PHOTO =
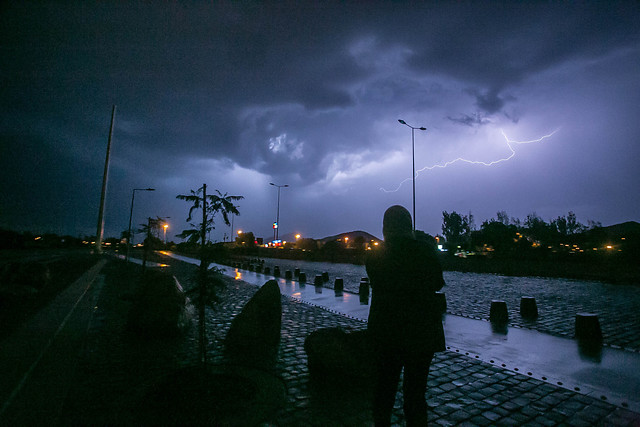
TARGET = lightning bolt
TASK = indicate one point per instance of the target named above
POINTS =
(512, 153)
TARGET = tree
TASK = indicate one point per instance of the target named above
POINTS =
(207, 280)
(573, 225)
(455, 228)
(498, 235)
(537, 228)
(307, 244)
(150, 241)
(246, 239)
(216, 203)
(502, 217)
(568, 225)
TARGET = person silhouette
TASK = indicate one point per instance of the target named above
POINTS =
(405, 324)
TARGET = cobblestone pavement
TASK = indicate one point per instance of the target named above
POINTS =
(558, 300)
(115, 367)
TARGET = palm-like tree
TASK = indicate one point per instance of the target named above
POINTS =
(215, 203)
(210, 206)
(153, 224)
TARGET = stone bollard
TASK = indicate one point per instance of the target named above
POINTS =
(276, 271)
(288, 275)
(364, 299)
(267, 270)
(363, 289)
(498, 312)
(338, 285)
(318, 280)
(325, 276)
(302, 278)
(296, 272)
(588, 328)
(528, 307)
(441, 302)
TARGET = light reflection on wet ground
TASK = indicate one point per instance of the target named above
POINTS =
(558, 300)
(607, 372)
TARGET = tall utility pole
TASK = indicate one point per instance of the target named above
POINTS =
(413, 162)
(276, 225)
(105, 179)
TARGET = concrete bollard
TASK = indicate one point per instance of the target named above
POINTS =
(318, 280)
(338, 284)
(302, 278)
(363, 289)
(588, 328)
(296, 272)
(288, 275)
(267, 270)
(498, 312)
(528, 307)
(259, 268)
(441, 302)
(364, 299)
(276, 271)
(251, 267)
(325, 276)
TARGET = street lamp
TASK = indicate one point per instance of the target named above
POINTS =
(165, 226)
(133, 195)
(276, 224)
(413, 158)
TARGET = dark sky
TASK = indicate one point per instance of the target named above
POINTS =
(241, 94)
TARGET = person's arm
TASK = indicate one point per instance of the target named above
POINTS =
(432, 270)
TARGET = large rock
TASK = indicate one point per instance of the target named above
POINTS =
(159, 306)
(254, 336)
(334, 354)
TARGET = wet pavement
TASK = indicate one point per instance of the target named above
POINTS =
(606, 373)
(114, 367)
(558, 300)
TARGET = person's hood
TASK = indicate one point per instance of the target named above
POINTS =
(396, 224)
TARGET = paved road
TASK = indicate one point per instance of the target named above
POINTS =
(114, 369)
(37, 362)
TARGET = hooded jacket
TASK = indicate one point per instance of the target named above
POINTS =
(404, 275)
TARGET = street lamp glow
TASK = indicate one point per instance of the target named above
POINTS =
(413, 167)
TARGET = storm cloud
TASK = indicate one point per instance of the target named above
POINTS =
(242, 94)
